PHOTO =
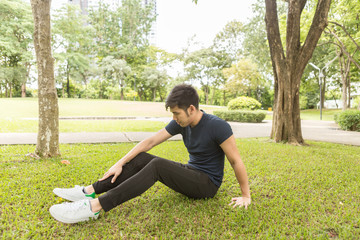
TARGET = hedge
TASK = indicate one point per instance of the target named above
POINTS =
(241, 115)
(349, 120)
(242, 103)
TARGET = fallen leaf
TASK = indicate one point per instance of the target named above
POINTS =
(65, 162)
(32, 155)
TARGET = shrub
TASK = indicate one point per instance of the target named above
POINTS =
(349, 120)
(241, 116)
(244, 103)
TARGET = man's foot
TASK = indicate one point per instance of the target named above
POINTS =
(73, 212)
(73, 194)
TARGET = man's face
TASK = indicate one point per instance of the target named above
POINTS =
(181, 117)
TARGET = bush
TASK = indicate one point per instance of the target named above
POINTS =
(349, 120)
(241, 116)
(244, 103)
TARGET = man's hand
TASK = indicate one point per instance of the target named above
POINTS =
(240, 201)
(113, 171)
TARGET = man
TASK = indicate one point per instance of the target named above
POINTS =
(207, 139)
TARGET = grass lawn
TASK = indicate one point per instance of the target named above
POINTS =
(14, 108)
(309, 192)
(28, 126)
(15, 112)
(314, 114)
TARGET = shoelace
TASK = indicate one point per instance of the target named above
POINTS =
(76, 206)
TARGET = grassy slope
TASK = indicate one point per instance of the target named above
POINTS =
(297, 192)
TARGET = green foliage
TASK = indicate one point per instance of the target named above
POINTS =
(303, 102)
(230, 39)
(357, 102)
(244, 103)
(16, 28)
(241, 116)
(205, 66)
(349, 120)
(292, 187)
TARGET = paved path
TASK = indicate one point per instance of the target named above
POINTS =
(312, 130)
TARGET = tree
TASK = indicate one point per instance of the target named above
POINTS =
(155, 80)
(342, 32)
(244, 79)
(15, 46)
(289, 66)
(73, 39)
(48, 133)
(116, 71)
(205, 66)
(230, 39)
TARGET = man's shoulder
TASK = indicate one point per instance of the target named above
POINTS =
(212, 119)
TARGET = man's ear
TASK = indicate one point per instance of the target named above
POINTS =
(192, 109)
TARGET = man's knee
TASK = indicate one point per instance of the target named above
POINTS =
(156, 162)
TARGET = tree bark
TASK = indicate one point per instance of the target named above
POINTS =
(288, 68)
(48, 133)
(344, 71)
(23, 90)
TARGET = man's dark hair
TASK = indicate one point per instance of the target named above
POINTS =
(182, 96)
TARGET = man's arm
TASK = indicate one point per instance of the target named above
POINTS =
(142, 146)
(233, 155)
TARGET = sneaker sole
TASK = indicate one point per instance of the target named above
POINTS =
(68, 221)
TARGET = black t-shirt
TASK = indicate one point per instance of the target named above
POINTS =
(203, 144)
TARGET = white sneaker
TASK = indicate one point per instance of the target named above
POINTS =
(73, 194)
(73, 212)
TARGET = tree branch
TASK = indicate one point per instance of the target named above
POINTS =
(293, 30)
(352, 39)
(343, 48)
(317, 27)
(273, 32)
(302, 5)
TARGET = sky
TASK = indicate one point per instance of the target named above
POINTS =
(179, 20)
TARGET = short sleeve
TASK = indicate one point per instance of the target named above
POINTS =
(221, 131)
(173, 128)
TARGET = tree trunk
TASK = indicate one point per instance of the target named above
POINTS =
(10, 90)
(288, 68)
(206, 88)
(212, 96)
(68, 80)
(344, 71)
(224, 97)
(23, 90)
(48, 133)
(349, 89)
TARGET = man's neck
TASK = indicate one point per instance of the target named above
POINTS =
(197, 118)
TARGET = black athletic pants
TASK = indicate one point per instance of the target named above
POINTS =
(143, 171)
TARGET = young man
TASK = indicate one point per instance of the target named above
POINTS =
(207, 139)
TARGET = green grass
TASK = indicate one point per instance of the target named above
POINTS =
(17, 113)
(15, 108)
(314, 114)
(25, 126)
(309, 192)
